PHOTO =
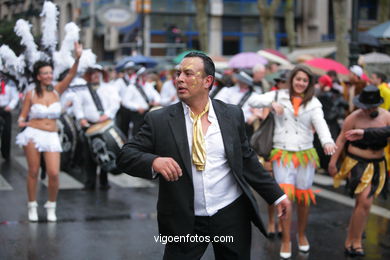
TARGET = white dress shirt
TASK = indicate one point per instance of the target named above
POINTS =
(132, 99)
(215, 187)
(168, 93)
(85, 108)
(233, 95)
(11, 96)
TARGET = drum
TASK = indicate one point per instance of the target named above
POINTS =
(68, 136)
(105, 141)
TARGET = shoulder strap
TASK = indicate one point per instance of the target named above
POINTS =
(245, 98)
(96, 99)
(56, 92)
(142, 92)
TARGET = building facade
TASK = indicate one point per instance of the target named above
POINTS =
(234, 25)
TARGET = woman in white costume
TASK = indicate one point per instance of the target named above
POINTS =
(293, 156)
(41, 108)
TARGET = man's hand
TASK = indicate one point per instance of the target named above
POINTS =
(284, 208)
(168, 168)
(103, 118)
(84, 123)
(354, 134)
(7, 108)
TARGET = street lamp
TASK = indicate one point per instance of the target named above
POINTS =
(353, 45)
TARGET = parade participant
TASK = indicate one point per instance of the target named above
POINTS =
(41, 107)
(334, 107)
(355, 86)
(9, 98)
(137, 99)
(260, 84)
(95, 103)
(294, 158)
(206, 193)
(379, 79)
(364, 164)
(168, 90)
(239, 95)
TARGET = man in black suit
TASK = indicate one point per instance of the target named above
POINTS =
(199, 150)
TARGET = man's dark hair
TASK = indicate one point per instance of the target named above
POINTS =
(208, 64)
(381, 75)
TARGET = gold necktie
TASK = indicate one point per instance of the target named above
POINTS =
(198, 144)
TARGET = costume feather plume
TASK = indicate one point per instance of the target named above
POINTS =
(63, 58)
(13, 64)
(22, 29)
(87, 59)
(49, 27)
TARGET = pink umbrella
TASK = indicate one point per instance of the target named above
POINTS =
(323, 64)
(246, 60)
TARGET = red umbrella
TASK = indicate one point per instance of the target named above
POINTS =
(322, 65)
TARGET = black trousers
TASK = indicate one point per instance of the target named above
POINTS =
(6, 133)
(137, 120)
(90, 168)
(231, 222)
(123, 120)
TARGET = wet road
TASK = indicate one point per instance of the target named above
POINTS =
(121, 223)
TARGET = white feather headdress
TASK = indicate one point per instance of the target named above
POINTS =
(22, 29)
(49, 27)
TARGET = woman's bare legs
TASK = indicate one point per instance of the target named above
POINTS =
(33, 162)
(358, 219)
(303, 215)
(52, 160)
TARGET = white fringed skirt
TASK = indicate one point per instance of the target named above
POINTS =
(44, 141)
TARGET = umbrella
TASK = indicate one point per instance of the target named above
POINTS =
(322, 65)
(246, 60)
(220, 62)
(181, 56)
(374, 57)
(273, 56)
(138, 59)
(381, 30)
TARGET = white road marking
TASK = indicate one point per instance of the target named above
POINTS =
(330, 195)
(66, 181)
(4, 185)
(325, 180)
(126, 181)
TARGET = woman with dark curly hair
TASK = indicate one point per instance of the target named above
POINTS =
(41, 106)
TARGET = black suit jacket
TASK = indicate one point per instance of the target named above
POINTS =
(164, 134)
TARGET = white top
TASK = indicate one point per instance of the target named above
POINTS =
(133, 100)
(215, 187)
(52, 111)
(233, 95)
(11, 96)
(85, 108)
(168, 93)
(295, 133)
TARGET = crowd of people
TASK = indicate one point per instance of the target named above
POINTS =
(314, 116)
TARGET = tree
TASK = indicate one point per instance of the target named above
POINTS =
(341, 30)
(384, 11)
(202, 24)
(267, 21)
(289, 24)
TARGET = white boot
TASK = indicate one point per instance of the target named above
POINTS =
(32, 211)
(51, 211)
